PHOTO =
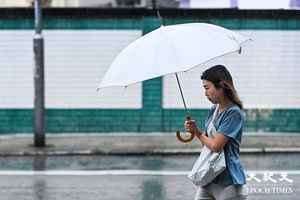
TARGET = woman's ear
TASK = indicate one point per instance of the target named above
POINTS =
(224, 85)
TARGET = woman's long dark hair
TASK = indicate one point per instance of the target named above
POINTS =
(221, 78)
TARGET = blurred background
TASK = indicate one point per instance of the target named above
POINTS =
(240, 4)
(82, 37)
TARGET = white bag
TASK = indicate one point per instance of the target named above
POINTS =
(209, 164)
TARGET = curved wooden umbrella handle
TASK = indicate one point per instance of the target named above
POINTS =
(181, 139)
(185, 140)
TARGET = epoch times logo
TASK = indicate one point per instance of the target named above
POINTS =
(272, 182)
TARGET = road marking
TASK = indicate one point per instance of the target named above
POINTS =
(122, 172)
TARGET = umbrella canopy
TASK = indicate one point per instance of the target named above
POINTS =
(170, 49)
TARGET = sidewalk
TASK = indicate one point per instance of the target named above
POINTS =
(137, 143)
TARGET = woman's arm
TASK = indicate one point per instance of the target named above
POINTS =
(215, 144)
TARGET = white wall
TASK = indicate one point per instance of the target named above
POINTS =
(15, 3)
(263, 4)
(210, 4)
(266, 75)
(75, 62)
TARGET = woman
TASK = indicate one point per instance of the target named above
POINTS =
(229, 122)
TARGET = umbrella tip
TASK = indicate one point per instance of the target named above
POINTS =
(240, 50)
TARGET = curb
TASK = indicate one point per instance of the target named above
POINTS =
(152, 152)
(136, 144)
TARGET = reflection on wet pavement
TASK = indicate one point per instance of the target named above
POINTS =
(251, 161)
(144, 186)
(126, 187)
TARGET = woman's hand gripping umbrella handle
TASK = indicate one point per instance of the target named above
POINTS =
(185, 140)
(178, 135)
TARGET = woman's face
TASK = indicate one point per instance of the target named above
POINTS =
(212, 93)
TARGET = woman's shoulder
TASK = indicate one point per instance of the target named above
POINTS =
(235, 110)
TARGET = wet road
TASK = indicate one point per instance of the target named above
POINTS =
(136, 177)
(251, 161)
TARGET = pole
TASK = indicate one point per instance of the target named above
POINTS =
(159, 18)
(39, 103)
(154, 6)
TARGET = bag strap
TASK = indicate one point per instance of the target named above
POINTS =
(215, 113)
(211, 123)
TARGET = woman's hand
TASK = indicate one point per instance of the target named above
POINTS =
(191, 126)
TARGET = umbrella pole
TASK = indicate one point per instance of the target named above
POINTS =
(188, 117)
(183, 100)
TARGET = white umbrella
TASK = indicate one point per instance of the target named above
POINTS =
(171, 49)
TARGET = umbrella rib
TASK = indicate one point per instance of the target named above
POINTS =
(188, 113)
